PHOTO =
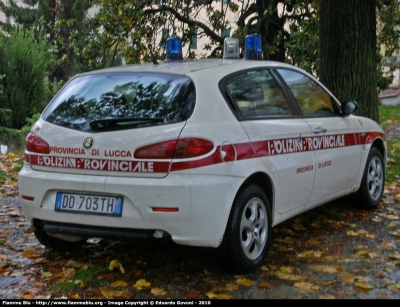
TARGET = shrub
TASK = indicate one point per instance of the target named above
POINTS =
(25, 61)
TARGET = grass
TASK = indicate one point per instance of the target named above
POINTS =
(389, 116)
(84, 277)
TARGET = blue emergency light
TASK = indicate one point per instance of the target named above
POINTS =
(174, 49)
(253, 47)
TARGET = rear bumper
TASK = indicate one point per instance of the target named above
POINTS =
(83, 231)
(203, 202)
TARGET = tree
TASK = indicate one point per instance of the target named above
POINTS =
(348, 51)
(134, 29)
(55, 19)
(388, 16)
(24, 61)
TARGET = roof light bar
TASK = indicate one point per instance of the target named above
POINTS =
(231, 48)
(174, 49)
(253, 47)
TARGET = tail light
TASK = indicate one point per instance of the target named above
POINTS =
(36, 145)
(178, 149)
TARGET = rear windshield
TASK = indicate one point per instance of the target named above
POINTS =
(109, 102)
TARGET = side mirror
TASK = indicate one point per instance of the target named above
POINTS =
(349, 107)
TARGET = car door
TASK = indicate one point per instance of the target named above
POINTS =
(334, 137)
(276, 135)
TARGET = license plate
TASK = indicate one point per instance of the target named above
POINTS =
(91, 204)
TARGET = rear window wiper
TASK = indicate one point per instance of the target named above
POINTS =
(101, 124)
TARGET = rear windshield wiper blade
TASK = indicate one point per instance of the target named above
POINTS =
(138, 120)
(101, 124)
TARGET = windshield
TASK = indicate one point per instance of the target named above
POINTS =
(116, 101)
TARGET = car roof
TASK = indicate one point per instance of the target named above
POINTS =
(187, 67)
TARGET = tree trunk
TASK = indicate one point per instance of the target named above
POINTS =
(269, 28)
(348, 59)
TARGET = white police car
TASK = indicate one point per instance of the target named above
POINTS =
(210, 153)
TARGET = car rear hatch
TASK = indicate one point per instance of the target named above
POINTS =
(120, 124)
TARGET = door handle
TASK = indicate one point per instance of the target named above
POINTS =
(319, 130)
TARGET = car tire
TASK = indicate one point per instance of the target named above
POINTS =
(248, 232)
(56, 243)
(373, 181)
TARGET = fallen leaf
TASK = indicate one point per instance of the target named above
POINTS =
(325, 268)
(289, 276)
(119, 283)
(305, 287)
(364, 286)
(286, 269)
(327, 297)
(30, 254)
(394, 287)
(310, 254)
(158, 291)
(389, 245)
(245, 282)
(47, 274)
(115, 264)
(26, 296)
(69, 272)
(395, 256)
(231, 287)
(75, 264)
(74, 296)
(265, 285)
(396, 233)
(141, 283)
(219, 296)
(327, 283)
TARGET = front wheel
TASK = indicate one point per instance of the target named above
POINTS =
(373, 180)
(247, 235)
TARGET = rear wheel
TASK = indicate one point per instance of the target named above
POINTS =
(373, 181)
(57, 243)
(247, 235)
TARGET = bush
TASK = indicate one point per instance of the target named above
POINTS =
(25, 62)
(30, 121)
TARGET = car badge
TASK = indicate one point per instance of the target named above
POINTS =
(88, 142)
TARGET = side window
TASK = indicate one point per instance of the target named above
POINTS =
(313, 100)
(258, 95)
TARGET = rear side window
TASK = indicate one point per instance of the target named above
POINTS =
(108, 102)
(257, 94)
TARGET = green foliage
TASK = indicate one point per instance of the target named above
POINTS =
(42, 18)
(1, 86)
(84, 277)
(30, 122)
(133, 29)
(388, 15)
(5, 114)
(302, 41)
(389, 116)
(11, 136)
(25, 61)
